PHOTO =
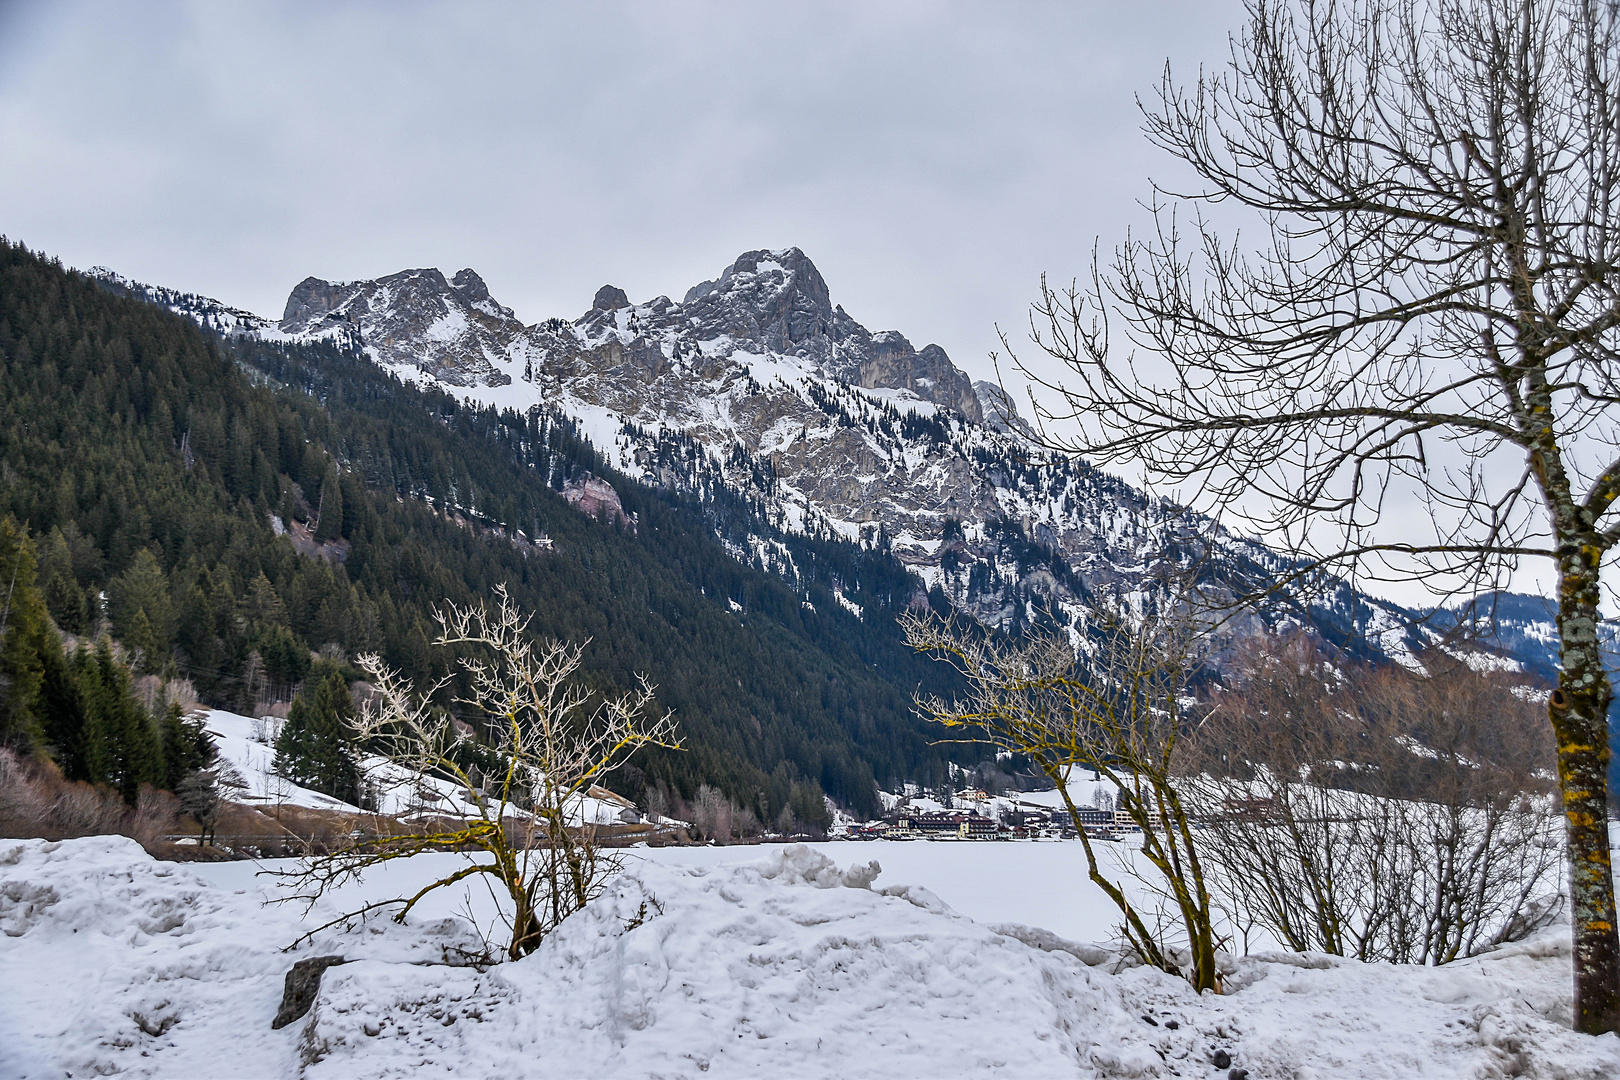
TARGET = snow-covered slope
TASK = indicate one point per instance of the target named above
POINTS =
(788, 966)
(211, 313)
(248, 745)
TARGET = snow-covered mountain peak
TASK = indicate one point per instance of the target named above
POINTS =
(778, 302)
(451, 330)
(762, 278)
(475, 292)
(777, 299)
(999, 409)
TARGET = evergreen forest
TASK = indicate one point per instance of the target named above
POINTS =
(251, 516)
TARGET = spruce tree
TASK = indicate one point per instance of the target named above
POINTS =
(68, 734)
(329, 525)
(187, 746)
(133, 751)
(141, 640)
(315, 748)
(58, 586)
(261, 608)
(24, 631)
(142, 609)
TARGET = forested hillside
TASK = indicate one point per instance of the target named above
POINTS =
(227, 508)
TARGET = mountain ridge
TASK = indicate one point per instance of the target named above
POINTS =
(758, 383)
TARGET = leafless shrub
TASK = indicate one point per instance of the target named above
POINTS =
(180, 692)
(1117, 710)
(657, 799)
(715, 816)
(77, 809)
(1379, 814)
(712, 814)
(555, 739)
(22, 800)
(156, 694)
(37, 801)
(155, 815)
(148, 690)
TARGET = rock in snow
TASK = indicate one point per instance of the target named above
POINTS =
(790, 966)
(302, 985)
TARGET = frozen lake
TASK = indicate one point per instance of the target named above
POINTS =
(1037, 883)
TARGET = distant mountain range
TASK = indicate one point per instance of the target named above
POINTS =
(756, 384)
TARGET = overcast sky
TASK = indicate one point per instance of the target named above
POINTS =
(932, 159)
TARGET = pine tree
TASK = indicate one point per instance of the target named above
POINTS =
(142, 609)
(24, 631)
(315, 748)
(329, 523)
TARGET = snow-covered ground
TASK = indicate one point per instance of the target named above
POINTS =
(1038, 883)
(747, 963)
(249, 746)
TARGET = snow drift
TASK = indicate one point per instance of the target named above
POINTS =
(115, 963)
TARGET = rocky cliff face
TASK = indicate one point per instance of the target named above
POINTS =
(449, 330)
(779, 301)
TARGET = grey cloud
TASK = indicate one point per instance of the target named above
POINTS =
(933, 159)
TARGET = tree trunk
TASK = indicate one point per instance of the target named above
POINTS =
(1579, 710)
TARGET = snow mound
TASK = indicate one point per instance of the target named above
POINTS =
(122, 957)
(799, 865)
(113, 962)
(788, 966)
(146, 899)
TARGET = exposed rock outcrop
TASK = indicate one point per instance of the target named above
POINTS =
(596, 497)
(454, 332)
(303, 984)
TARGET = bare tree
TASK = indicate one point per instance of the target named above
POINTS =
(1433, 305)
(1374, 813)
(712, 814)
(1117, 710)
(552, 738)
(202, 792)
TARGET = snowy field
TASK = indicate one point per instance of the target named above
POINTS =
(247, 745)
(750, 962)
